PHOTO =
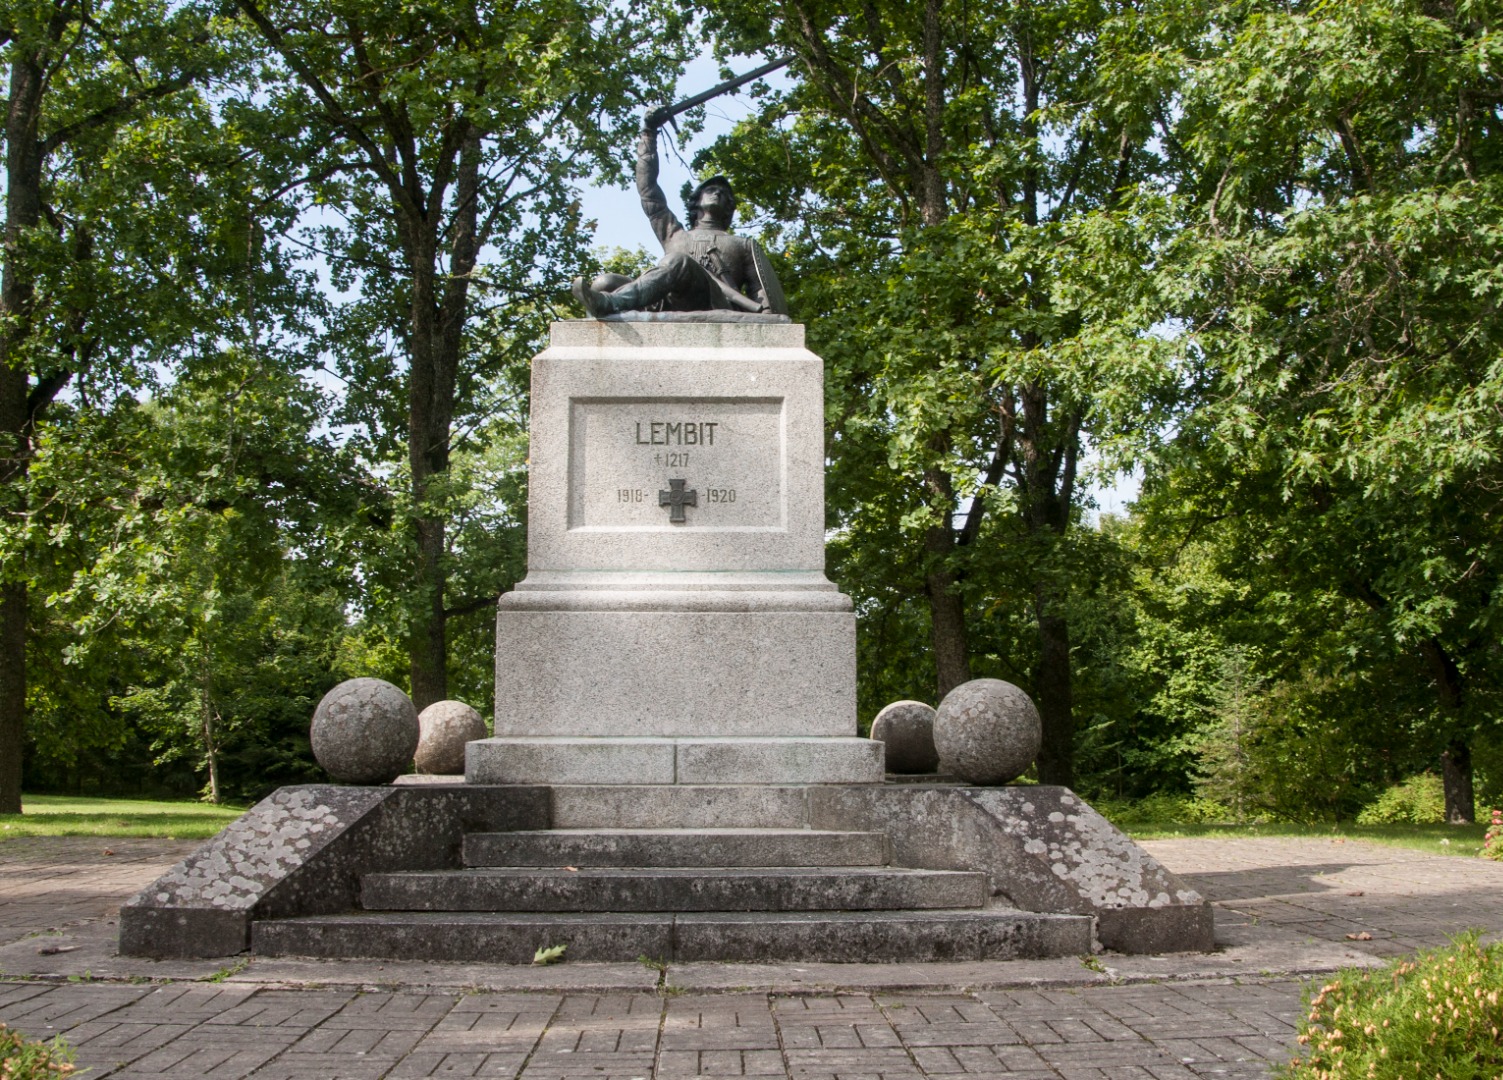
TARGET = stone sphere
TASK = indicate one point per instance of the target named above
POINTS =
(907, 727)
(987, 732)
(365, 732)
(444, 727)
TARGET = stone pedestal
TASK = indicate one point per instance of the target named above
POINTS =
(676, 625)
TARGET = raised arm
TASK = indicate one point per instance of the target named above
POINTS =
(654, 202)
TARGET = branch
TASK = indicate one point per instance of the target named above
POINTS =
(1077, 166)
(64, 135)
(43, 393)
(469, 606)
(358, 134)
(972, 527)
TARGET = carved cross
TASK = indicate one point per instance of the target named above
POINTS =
(676, 498)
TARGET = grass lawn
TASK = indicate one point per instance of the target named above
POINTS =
(1434, 839)
(64, 815)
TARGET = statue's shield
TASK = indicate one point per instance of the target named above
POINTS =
(772, 289)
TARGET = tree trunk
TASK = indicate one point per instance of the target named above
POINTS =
(23, 211)
(12, 692)
(952, 665)
(428, 640)
(1456, 775)
(211, 751)
(1456, 759)
(1052, 683)
(437, 343)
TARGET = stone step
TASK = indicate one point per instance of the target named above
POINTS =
(680, 806)
(624, 889)
(675, 847)
(809, 937)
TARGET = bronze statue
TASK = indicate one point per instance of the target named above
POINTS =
(703, 268)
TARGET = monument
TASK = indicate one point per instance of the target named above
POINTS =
(675, 770)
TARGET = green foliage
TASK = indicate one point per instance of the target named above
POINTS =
(192, 604)
(1420, 799)
(547, 954)
(1164, 808)
(438, 146)
(1339, 281)
(24, 1059)
(1436, 1015)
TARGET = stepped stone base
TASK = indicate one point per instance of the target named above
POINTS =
(819, 937)
(746, 872)
(779, 760)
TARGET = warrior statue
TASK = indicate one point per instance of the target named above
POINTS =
(704, 267)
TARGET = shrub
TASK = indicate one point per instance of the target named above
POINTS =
(1164, 808)
(1420, 800)
(1492, 842)
(23, 1060)
(1438, 1015)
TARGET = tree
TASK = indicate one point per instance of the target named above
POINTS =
(959, 191)
(192, 539)
(114, 235)
(1341, 279)
(440, 139)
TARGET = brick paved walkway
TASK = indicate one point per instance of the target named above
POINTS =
(1283, 907)
(1163, 1032)
(48, 883)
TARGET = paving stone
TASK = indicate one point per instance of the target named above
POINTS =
(1228, 1026)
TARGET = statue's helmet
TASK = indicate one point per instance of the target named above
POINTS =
(692, 203)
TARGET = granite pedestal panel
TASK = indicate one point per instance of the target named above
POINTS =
(675, 625)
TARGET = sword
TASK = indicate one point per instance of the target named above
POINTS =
(660, 116)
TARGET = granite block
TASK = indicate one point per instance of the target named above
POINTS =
(626, 889)
(674, 673)
(876, 936)
(569, 761)
(785, 760)
(672, 330)
(623, 806)
(620, 410)
(675, 847)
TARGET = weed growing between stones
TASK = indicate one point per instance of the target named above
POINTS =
(1492, 843)
(229, 970)
(24, 1060)
(1439, 1015)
